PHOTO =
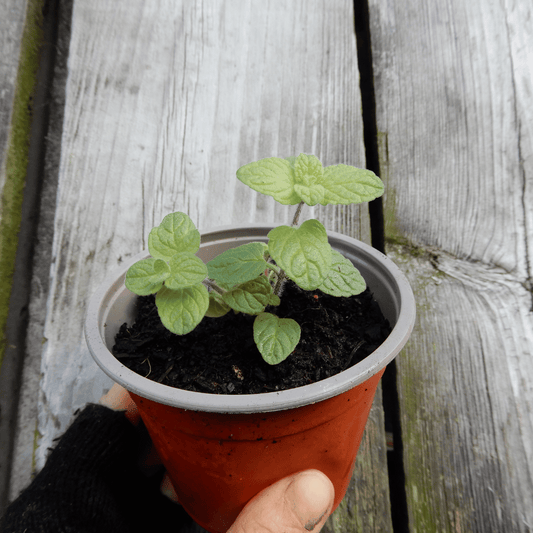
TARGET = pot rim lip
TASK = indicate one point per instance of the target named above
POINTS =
(253, 403)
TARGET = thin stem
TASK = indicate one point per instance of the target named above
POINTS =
(297, 214)
(280, 283)
(212, 284)
(273, 267)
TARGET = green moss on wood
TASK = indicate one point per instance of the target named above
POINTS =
(389, 198)
(16, 159)
(36, 440)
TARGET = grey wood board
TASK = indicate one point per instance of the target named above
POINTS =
(454, 86)
(164, 101)
(25, 435)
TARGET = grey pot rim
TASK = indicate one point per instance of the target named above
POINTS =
(251, 403)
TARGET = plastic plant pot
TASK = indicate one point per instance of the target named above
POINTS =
(221, 450)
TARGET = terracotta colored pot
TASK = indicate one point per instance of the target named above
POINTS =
(221, 450)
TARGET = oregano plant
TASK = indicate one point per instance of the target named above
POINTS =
(249, 279)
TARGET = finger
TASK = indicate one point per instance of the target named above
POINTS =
(167, 489)
(297, 504)
(119, 399)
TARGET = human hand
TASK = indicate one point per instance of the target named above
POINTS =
(296, 504)
(119, 399)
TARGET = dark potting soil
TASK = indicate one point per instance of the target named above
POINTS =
(220, 355)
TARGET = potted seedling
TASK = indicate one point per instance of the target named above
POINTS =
(222, 449)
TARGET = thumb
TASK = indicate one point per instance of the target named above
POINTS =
(295, 504)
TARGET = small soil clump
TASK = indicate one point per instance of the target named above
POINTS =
(220, 356)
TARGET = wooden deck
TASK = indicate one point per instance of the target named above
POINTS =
(150, 107)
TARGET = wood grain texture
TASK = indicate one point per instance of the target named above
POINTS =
(165, 100)
(454, 85)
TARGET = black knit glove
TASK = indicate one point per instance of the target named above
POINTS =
(92, 483)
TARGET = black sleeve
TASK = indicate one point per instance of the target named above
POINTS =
(92, 483)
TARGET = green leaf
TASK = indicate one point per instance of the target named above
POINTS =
(176, 233)
(217, 307)
(186, 270)
(251, 297)
(344, 279)
(303, 253)
(308, 175)
(182, 310)
(146, 276)
(274, 300)
(310, 195)
(275, 337)
(238, 265)
(272, 176)
(344, 185)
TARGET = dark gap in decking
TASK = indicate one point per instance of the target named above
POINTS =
(391, 404)
(18, 318)
(368, 97)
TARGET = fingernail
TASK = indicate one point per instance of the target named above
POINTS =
(312, 494)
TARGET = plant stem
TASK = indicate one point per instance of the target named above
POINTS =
(273, 267)
(211, 284)
(280, 283)
(297, 214)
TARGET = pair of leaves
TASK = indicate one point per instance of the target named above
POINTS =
(174, 272)
(307, 258)
(304, 254)
(240, 271)
(148, 275)
(251, 298)
(304, 179)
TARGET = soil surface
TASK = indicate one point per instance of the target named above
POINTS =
(220, 355)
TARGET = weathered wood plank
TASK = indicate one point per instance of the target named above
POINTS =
(20, 43)
(454, 89)
(165, 100)
(12, 16)
(56, 38)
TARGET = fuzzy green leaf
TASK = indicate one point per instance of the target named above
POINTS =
(303, 253)
(147, 276)
(344, 185)
(182, 310)
(308, 176)
(176, 233)
(251, 297)
(238, 265)
(186, 270)
(217, 307)
(310, 195)
(344, 279)
(275, 337)
(272, 176)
